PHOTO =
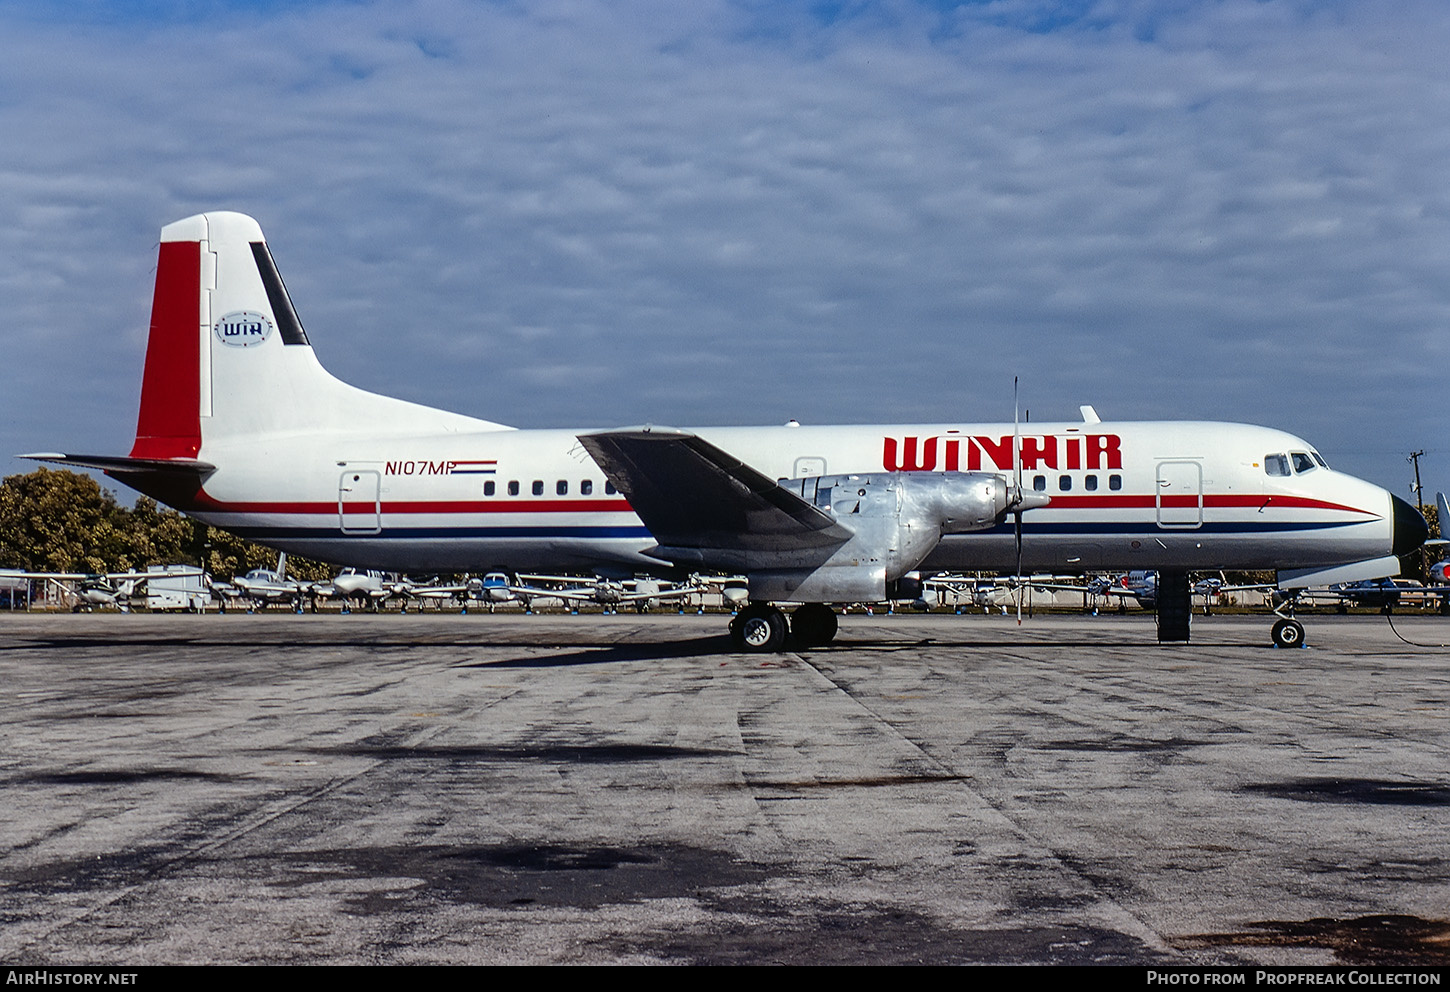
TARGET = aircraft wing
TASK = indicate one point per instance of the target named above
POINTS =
(594, 594)
(578, 595)
(133, 576)
(705, 506)
(678, 592)
(431, 589)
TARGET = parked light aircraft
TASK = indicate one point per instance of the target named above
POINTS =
(241, 427)
(264, 586)
(365, 585)
(641, 594)
(88, 590)
(1382, 594)
(14, 586)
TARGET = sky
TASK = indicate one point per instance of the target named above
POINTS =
(568, 213)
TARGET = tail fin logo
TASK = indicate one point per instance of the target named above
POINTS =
(242, 329)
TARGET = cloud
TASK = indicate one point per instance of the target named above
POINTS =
(555, 213)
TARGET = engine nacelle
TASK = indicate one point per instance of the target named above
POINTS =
(896, 519)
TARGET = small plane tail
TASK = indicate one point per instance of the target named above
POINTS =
(227, 358)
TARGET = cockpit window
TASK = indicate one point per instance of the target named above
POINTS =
(1316, 456)
(1276, 464)
(1302, 462)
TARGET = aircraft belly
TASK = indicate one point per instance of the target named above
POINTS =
(1218, 544)
(1062, 540)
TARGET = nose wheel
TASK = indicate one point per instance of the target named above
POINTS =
(1288, 633)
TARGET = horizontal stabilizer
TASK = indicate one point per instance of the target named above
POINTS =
(117, 463)
(692, 495)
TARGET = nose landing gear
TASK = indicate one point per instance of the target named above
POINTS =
(1287, 632)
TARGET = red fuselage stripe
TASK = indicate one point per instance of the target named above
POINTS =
(1117, 502)
(206, 502)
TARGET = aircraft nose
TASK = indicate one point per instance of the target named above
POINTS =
(1411, 531)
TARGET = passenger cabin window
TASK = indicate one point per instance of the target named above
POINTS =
(1039, 483)
(1064, 483)
(609, 489)
(513, 487)
(586, 487)
(1276, 464)
(1302, 462)
(1090, 483)
(538, 487)
(562, 487)
(1115, 482)
(488, 488)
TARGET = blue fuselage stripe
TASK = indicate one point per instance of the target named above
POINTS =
(427, 533)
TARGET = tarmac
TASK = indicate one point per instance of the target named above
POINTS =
(444, 789)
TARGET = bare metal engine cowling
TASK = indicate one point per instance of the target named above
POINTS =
(896, 519)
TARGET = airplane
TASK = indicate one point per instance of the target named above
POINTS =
(999, 590)
(1143, 587)
(985, 593)
(89, 590)
(433, 591)
(644, 594)
(264, 586)
(1383, 594)
(990, 593)
(361, 584)
(364, 586)
(14, 587)
(241, 427)
(1139, 585)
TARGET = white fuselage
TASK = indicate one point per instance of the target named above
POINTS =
(1161, 495)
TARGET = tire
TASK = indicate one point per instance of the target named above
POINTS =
(813, 625)
(759, 627)
(1288, 634)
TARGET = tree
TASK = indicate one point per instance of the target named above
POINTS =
(60, 521)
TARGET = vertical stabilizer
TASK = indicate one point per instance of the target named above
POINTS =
(228, 360)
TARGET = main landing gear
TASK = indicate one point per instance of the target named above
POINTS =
(762, 627)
